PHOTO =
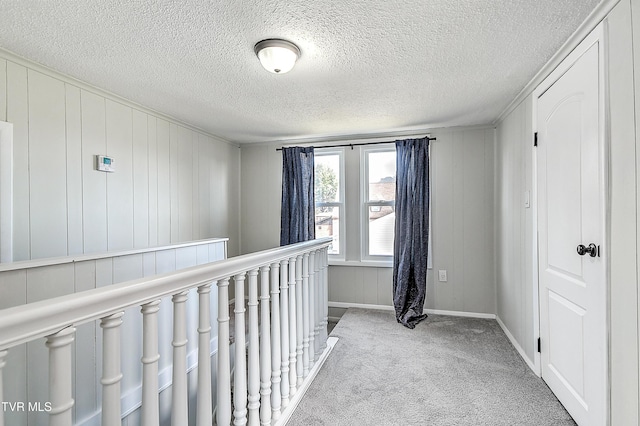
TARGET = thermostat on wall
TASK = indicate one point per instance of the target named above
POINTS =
(105, 164)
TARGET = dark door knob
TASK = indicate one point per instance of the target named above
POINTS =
(592, 249)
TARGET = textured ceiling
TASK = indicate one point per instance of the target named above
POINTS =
(367, 67)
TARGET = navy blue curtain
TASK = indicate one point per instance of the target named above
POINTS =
(297, 214)
(410, 249)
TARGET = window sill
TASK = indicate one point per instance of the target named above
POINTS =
(362, 263)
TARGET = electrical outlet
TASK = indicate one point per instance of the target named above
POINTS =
(442, 275)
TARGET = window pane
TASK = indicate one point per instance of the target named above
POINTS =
(382, 175)
(327, 178)
(381, 230)
(328, 225)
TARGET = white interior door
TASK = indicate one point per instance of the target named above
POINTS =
(571, 206)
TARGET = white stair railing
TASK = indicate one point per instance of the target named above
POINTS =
(287, 329)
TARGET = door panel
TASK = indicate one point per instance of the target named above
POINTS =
(571, 204)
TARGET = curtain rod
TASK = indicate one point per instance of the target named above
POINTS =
(357, 144)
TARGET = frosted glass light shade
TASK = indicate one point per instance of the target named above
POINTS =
(277, 56)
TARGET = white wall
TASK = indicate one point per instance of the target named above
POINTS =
(514, 226)
(172, 183)
(462, 228)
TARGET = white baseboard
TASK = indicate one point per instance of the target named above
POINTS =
(461, 314)
(516, 345)
(346, 305)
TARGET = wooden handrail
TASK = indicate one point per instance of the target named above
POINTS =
(25, 323)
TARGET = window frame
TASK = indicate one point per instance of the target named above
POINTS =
(366, 204)
(340, 204)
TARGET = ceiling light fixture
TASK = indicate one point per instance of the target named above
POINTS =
(277, 56)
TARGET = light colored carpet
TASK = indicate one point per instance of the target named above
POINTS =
(447, 371)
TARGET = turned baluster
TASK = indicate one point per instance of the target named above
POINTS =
(111, 374)
(276, 395)
(223, 385)
(265, 348)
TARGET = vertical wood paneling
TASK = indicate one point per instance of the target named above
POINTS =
(231, 202)
(369, 285)
(186, 257)
(94, 189)
(165, 262)
(218, 179)
(119, 184)
(489, 235)
(173, 183)
(37, 384)
(185, 184)
(622, 51)
(385, 286)
(442, 228)
(202, 255)
(127, 268)
(473, 217)
(18, 114)
(74, 170)
(140, 180)
(47, 171)
(104, 272)
(217, 251)
(149, 264)
(529, 342)
(85, 349)
(43, 283)
(164, 183)
(15, 372)
(51, 281)
(13, 287)
(195, 187)
(153, 180)
(456, 276)
(3, 90)
(204, 198)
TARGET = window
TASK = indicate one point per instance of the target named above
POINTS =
(329, 197)
(379, 196)
(355, 203)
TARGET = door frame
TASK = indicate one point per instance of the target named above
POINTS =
(598, 35)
